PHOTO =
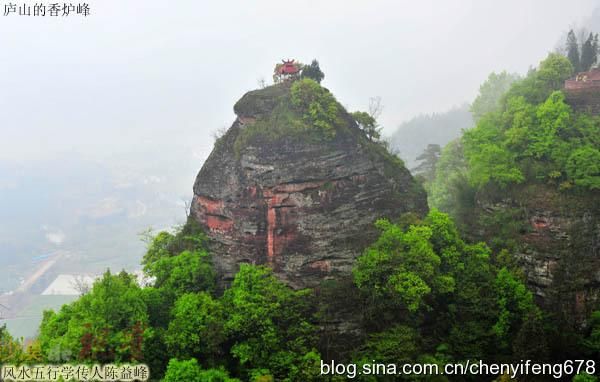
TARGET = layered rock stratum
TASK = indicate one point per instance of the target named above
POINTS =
(558, 245)
(302, 204)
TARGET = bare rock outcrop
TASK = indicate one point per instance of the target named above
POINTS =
(304, 206)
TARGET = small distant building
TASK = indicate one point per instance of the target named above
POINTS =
(584, 80)
(288, 69)
(583, 91)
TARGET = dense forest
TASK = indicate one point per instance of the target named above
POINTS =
(431, 289)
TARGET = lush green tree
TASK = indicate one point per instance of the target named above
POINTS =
(317, 105)
(105, 325)
(196, 329)
(573, 51)
(159, 306)
(11, 350)
(182, 371)
(33, 355)
(189, 271)
(156, 354)
(466, 315)
(583, 166)
(589, 53)
(531, 138)
(307, 368)
(188, 237)
(418, 267)
(421, 266)
(428, 160)
(531, 340)
(585, 377)
(541, 82)
(553, 116)
(519, 117)
(450, 190)
(400, 269)
(516, 305)
(491, 92)
(596, 47)
(179, 262)
(190, 371)
(268, 324)
(398, 344)
(313, 71)
(367, 124)
(491, 163)
(551, 74)
(159, 247)
(592, 341)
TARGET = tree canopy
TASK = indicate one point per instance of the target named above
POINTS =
(534, 137)
(313, 71)
(491, 93)
(583, 55)
(573, 51)
(367, 124)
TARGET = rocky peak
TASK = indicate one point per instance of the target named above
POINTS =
(278, 189)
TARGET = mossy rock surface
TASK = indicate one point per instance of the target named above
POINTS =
(260, 102)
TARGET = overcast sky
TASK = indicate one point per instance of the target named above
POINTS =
(136, 75)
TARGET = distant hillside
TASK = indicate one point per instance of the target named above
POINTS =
(413, 136)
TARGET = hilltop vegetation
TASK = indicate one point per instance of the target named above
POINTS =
(532, 136)
(302, 109)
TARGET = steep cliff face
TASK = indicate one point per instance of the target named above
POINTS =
(558, 245)
(302, 204)
(586, 100)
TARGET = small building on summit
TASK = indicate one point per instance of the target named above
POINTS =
(288, 67)
(583, 92)
(584, 80)
(286, 70)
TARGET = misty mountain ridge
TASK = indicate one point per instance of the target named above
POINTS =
(413, 136)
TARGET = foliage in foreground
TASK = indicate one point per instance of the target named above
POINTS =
(427, 290)
(424, 295)
(258, 327)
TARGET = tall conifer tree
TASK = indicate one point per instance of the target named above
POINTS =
(588, 53)
(573, 51)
